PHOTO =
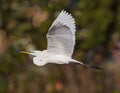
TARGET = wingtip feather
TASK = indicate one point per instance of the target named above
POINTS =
(66, 19)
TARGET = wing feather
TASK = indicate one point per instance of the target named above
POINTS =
(61, 35)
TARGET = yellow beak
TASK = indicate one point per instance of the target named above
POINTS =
(25, 52)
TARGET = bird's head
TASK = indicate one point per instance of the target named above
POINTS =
(37, 60)
(32, 52)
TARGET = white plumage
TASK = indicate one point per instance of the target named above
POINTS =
(65, 19)
(61, 41)
(61, 35)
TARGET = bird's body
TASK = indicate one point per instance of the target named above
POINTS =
(51, 58)
(45, 57)
(61, 41)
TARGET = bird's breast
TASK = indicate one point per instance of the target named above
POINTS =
(59, 59)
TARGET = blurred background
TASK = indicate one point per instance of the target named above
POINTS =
(23, 26)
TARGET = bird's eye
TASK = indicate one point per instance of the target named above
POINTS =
(32, 52)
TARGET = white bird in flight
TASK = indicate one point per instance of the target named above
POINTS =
(61, 41)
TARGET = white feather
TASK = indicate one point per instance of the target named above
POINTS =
(65, 19)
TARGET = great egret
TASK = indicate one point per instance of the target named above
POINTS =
(61, 41)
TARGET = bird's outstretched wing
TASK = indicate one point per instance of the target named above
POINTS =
(61, 35)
